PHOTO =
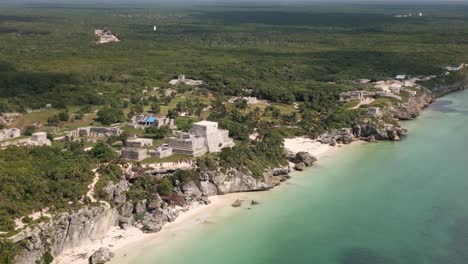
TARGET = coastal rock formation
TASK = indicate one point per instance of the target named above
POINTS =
(305, 158)
(230, 182)
(332, 137)
(281, 171)
(65, 232)
(117, 192)
(191, 190)
(378, 131)
(302, 160)
(411, 109)
(237, 203)
(299, 166)
(101, 256)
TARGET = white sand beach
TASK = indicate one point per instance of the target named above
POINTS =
(122, 242)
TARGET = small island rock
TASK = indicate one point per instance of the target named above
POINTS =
(237, 203)
(101, 256)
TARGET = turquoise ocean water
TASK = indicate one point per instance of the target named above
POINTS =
(383, 203)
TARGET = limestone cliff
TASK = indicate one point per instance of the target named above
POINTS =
(64, 232)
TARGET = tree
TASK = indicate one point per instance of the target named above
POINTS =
(50, 136)
(241, 103)
(156, 108)
(165, 187)
(79, 116)
(64, 116)
(29, 130)
(158, 133)
(276, 113)
(102, 152)
(8, 251)
(172, 113)
(53, 121)
(108, 116)
(137, 108)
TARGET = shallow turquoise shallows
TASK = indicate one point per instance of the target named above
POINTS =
(382, 203)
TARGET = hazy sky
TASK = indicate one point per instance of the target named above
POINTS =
(232, 1)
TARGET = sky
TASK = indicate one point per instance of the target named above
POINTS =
(230, 2)
(233, 1)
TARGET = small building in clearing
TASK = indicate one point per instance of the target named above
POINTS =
(161, 152)
(39, 139)
(137, 154)
(139, 142)
(375, 111)
(182, 80)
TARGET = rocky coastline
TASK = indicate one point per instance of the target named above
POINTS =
(68, 230)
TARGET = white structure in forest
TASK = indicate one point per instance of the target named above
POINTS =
(99, 131)
(139, 142)
(182, 80)
(39, 139)
(105, 36)
(205, 136)
(375, 111)
(137, 154)
(161, 152)
(9, 133)
(249, 99)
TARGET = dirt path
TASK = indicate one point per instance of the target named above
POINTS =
(363, 102)
(90, 193)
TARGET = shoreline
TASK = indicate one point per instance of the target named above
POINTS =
(123, 241)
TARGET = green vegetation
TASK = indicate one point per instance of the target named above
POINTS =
(251, 157)
(157, 133)
(8, 251)
(298, 58)
(165, 187)
(40, 177)
(109, 116)
(102, 152)
(278, 52)
(108, 173)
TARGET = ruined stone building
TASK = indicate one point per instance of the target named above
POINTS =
(353, 96)
(137, 154)
(142, 121)
(205, 136)
(139, 142)
(182, 80)
(9, 133)
(162, 151)
(39, 139)
(99, 131)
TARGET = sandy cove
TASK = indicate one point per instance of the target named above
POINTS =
(121, 242)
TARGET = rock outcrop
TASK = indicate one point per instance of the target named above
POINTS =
(65, 232)
(344, 136)
(410, 109)
(304, 157)
(230, 182)
(101, 256)
(378, 131)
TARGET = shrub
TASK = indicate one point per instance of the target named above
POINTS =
(29, 130)
(165, 187)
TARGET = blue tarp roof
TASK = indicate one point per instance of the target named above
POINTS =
(151, 119)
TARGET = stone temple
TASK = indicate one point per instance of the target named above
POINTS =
(205, 136)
